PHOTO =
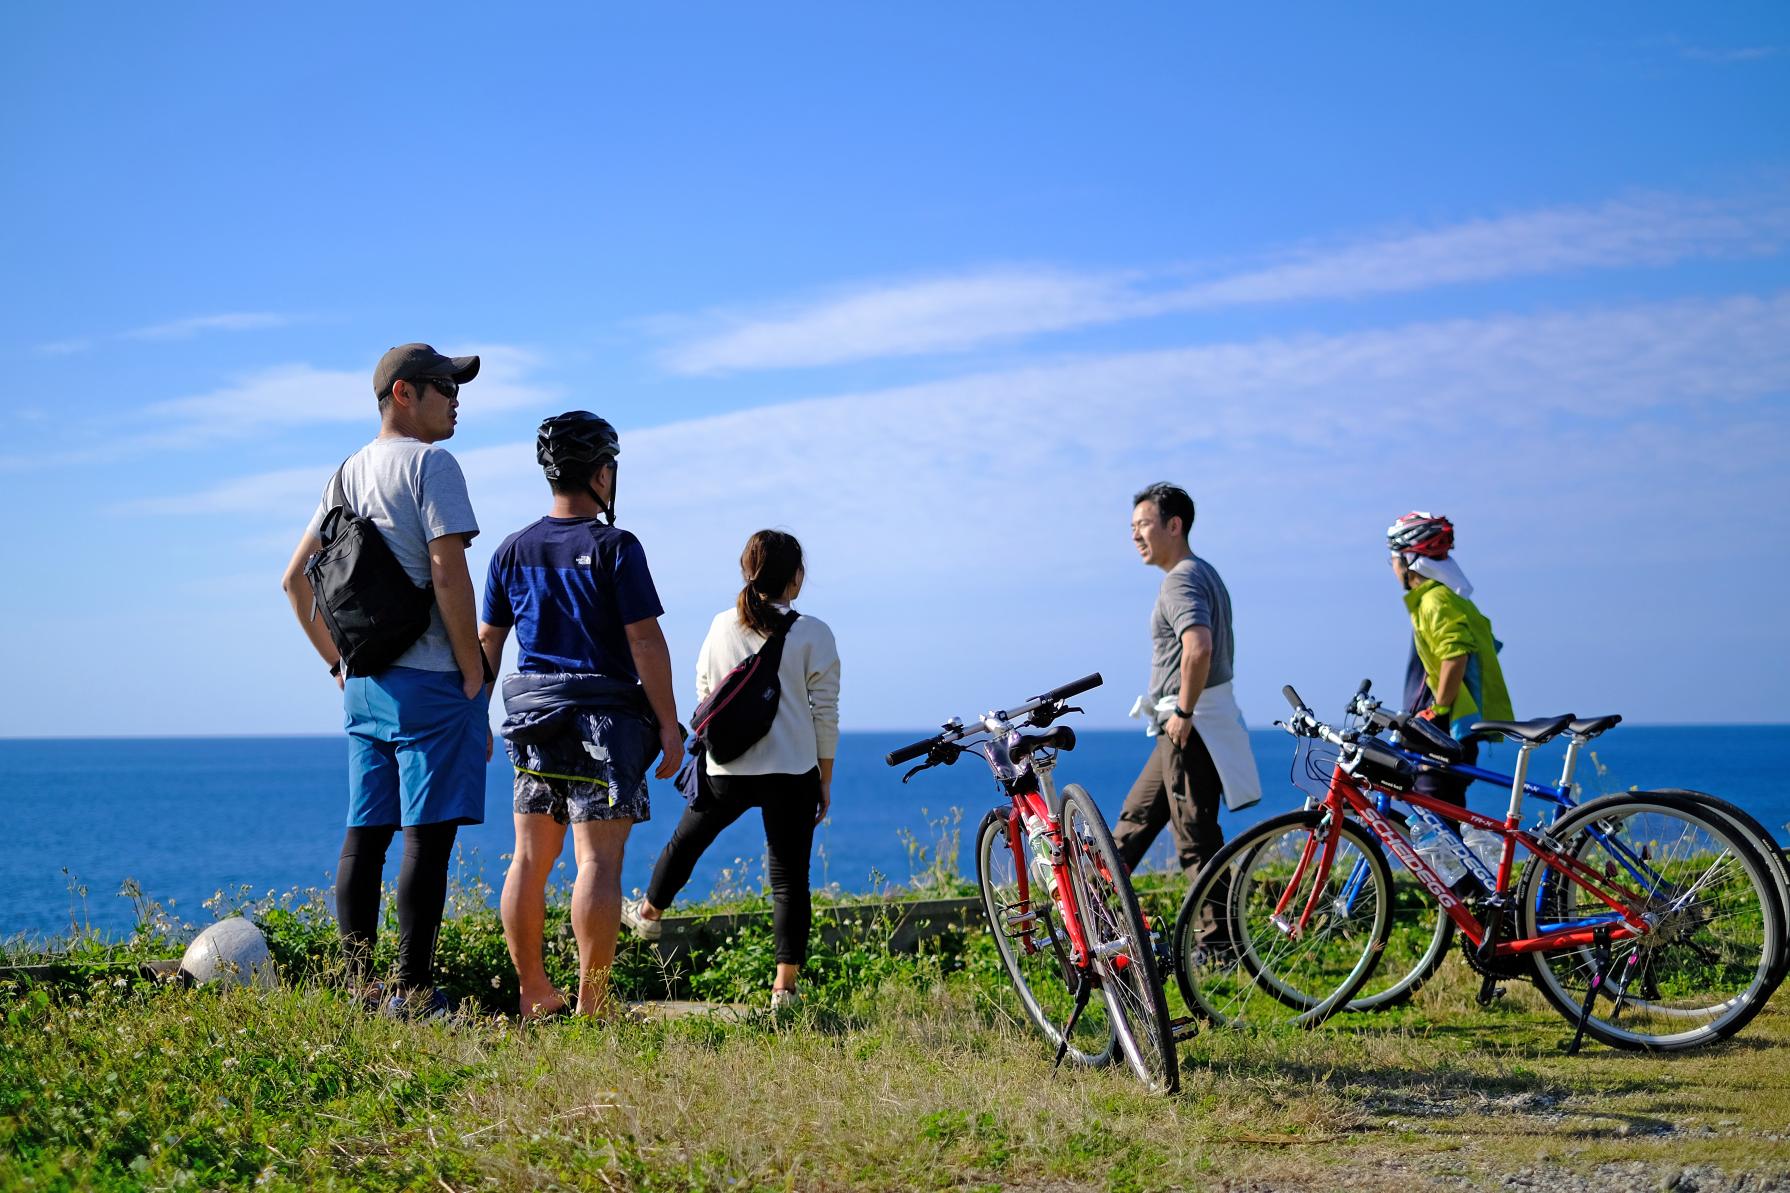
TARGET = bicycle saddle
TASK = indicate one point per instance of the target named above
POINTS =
(1535, 732)
(1589, 727)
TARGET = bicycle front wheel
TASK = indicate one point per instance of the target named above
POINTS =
(1711, 954)
(1033, 947)
(1270, 934)
(1122, 953)
(1416, 945)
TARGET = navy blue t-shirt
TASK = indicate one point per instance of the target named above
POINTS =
(569, 586)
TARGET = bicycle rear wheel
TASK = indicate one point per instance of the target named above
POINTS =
(1123, 954)
(1714, 950)
(1242, 956)
(1757, 835)
(1034, 949)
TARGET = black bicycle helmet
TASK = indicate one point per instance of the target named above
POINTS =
(575, 437)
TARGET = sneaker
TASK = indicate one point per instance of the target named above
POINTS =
(785, 999)
(416, 1004)
(634, 919)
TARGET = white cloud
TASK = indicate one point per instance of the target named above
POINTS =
(182, 329)
(967, 537)
(955, 313)
(68, 347)
(289, 396)
(1727, 56)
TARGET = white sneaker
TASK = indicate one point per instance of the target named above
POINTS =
(785, 999)
(634, 919)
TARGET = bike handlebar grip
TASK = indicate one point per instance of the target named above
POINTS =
(1292, 698)
(1365, 685)
(1075, 688)
(909, 751)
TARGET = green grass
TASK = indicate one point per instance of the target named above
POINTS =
(901, 1072)
(917, 1080)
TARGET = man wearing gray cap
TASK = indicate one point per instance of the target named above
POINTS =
(417, 729)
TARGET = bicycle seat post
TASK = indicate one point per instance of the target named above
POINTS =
(1574, 743)
(1516, 784)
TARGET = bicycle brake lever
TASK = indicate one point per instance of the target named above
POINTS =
(910, 774)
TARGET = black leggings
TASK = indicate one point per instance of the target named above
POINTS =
(422, 893)
(788, 803)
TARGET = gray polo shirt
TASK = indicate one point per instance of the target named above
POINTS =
(415, 493)
(1191, 595)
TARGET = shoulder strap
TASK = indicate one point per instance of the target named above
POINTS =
(335, 493)
(789, 622)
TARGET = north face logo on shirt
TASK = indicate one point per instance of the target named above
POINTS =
(582, 561)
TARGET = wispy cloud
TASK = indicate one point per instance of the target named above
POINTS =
(182, 329)
(940, 515)
(951, 314)
(64, 347)
(292, 396)
(1728, 55)
(174, 329)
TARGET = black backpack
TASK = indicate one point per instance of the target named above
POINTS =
(373, 610)
(741, 708)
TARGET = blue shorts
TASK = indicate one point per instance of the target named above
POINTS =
(416, 749)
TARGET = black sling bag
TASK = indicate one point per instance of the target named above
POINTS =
(371, 607)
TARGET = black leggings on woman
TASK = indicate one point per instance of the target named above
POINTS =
(788, 803)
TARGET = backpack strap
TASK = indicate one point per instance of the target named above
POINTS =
(335, 498)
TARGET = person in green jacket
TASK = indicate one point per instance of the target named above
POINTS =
(1453, 646)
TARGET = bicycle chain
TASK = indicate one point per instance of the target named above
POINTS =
(1504, 969)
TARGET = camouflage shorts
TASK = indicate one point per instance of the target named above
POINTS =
(571, 802)
(596, 771)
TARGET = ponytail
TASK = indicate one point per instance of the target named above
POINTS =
(769, 565)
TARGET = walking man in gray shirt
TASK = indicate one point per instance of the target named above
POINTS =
(1191, 651)
(417, 731)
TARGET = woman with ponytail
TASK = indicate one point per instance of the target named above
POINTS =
(787, 774)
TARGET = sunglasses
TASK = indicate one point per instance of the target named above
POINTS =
(448, 387)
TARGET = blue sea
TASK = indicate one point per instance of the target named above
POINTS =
(186, 818)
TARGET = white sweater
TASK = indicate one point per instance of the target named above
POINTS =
(806, 728)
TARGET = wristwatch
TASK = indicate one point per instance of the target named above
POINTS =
(1183, 713)
(335, 668)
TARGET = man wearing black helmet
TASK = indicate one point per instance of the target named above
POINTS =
(589, 707)
(417, 731)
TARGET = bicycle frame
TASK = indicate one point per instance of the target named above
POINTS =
(1032, 787)
(1345, 795)
(1560, 794)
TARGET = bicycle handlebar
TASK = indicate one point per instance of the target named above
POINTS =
(910, 751)
(957, 732)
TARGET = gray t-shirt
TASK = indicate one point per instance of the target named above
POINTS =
(1191, 595)
(415, 493)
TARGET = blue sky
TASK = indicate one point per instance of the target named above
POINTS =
(936, 287)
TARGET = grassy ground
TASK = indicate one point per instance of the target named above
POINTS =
(918, 1078)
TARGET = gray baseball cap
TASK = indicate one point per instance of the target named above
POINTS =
(407, 362)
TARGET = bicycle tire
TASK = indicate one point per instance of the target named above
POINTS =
(1760, 837)
(1236, 967)
(1418, 922)
(1707, 966)
(1034, 950)
(1123, 953)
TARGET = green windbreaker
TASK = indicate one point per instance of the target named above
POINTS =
(1447, 625)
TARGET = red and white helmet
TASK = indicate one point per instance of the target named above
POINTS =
(1419, 533)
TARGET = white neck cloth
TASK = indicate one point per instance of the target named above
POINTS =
(1446, 571)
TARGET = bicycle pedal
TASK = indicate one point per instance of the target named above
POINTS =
(1184, 1028)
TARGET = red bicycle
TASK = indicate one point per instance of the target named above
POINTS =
(1058, 899)
(1646, 919)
